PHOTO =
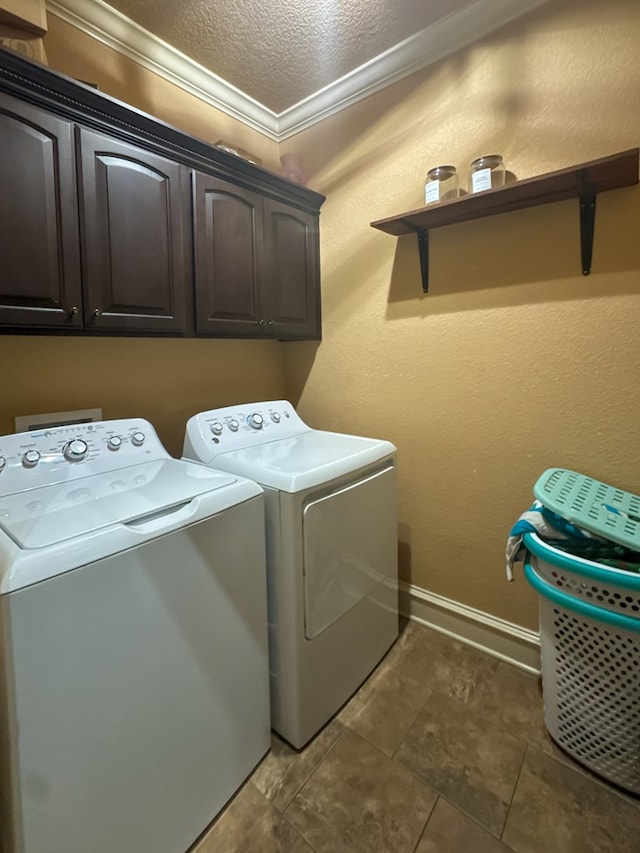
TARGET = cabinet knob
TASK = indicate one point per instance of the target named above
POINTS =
(261, 323)
(270, 323)
(96, 312)
(73, 311)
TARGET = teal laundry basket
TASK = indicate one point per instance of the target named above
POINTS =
(590, 630)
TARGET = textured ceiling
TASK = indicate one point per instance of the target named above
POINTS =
(280, 52)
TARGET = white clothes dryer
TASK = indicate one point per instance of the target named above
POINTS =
(134, 693)
(331, 536)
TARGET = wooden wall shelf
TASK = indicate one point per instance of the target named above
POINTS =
(584, 182)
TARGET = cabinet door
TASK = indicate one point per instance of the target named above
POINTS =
(39, 242)
(293, 271)
(133, 215)
(228, 258)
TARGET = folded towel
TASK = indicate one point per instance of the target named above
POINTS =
(562, 534)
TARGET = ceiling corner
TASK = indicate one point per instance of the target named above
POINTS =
(453, 32)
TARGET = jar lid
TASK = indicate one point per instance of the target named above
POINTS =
(441, 172)
(487, 161)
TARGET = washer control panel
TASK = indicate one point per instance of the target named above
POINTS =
(62, 453)
(238, 427)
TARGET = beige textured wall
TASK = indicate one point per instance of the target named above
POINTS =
(514, 362)
(164, 381)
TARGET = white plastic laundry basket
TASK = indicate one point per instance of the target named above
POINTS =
(590, 640)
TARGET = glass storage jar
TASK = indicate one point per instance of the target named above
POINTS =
(441, 184)
(486, 173)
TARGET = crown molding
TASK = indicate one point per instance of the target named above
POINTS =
(442, 38)
(100, 21)
(110, 27)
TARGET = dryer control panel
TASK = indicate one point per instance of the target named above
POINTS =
(239, 427)
(59, 454)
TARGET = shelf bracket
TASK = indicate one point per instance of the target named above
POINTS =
(587, 225)
(423, 249)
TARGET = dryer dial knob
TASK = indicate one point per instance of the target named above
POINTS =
(275, 417)
(216, 428)
(114, 442)
(31, 459)
(3, 462)
(255, 420)
(137, 439)
(75, 450)
(233, 425)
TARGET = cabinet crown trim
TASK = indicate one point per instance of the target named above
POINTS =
(78, 102)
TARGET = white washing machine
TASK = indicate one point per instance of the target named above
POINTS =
(331, 528)
(134, 687)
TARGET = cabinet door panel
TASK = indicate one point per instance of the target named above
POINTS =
(293, 309)
(133, 222)
(228, 253)
(39, 241)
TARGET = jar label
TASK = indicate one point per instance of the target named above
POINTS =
(481, 180)
(432, 192)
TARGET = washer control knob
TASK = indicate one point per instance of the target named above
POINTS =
(3, 462)
(75, 450)
(31, 459)
(255, 420)
(216, 428)
(137, 439)
(233, 425)
(114, 442)
(275, 417)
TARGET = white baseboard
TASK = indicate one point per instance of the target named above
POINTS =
(499, 638)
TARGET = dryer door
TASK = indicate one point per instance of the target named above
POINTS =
(350, 548)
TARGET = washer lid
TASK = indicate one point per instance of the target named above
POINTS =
(52, 514)
(303, 461)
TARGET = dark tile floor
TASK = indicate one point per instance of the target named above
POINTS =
(442, 750)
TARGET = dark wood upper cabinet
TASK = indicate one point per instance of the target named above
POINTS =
(112, 222)
(39, 248)
(292, 269)
(133, 218)
(228, 249)
(256, 264)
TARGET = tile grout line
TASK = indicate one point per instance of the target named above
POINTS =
(426, 823)
(403, 738)
(422, 782)
(312, 773)
(300, 836)
(283, 818)
(515, 787)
